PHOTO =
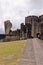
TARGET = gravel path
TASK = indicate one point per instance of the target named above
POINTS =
(38, 51)
(32, 54)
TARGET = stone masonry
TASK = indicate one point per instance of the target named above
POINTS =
(33, 26)
(8, 26)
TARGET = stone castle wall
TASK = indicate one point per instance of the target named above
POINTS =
(33, 20)
(36, 24)
(8, 26)
(33, 26)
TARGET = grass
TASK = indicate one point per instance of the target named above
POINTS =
(10, 52)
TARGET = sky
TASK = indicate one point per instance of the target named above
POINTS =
(17, 10)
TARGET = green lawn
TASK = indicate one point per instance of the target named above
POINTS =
(10, 51)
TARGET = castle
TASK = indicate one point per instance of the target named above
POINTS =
(33, 28)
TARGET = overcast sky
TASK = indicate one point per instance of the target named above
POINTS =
(17, 10)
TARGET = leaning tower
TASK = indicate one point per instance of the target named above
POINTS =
(8, 26)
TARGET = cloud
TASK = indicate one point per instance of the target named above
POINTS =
(17, 10)
(36, 4)
(36, 12)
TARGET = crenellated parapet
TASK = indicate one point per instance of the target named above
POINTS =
(30, 19)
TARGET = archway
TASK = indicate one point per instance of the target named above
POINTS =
(38, 35)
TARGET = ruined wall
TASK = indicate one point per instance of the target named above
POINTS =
(11, 35)
(33, 24)
(8, 26)
(22, 31)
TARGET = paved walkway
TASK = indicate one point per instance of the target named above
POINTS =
(32, 54)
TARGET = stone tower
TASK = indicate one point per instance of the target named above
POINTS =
(8, 26)
(41, 24)
(32, 21)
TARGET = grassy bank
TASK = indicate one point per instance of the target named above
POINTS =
(10, 52)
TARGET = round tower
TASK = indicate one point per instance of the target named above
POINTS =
(33, 21)
(41, 24)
